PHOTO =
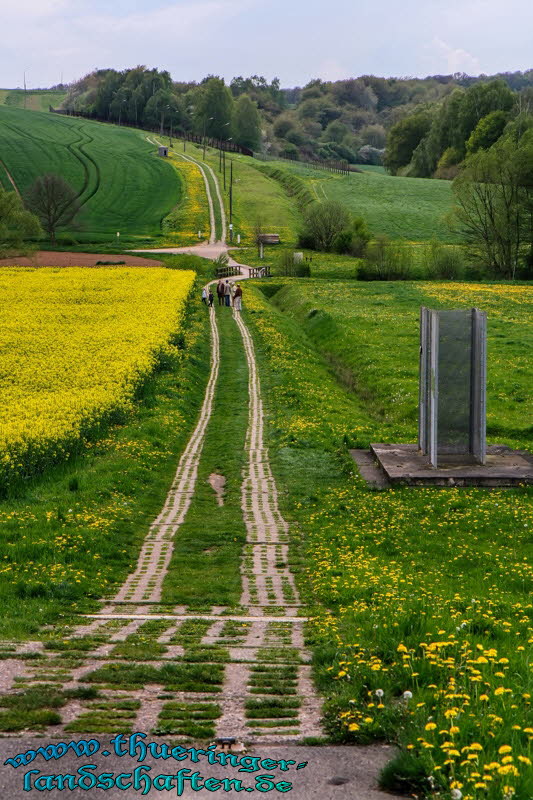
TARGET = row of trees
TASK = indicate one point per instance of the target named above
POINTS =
(150, 98)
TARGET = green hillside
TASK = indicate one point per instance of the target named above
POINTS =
(32, 100)
(122, 184)
(402, 208)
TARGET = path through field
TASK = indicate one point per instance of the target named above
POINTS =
(238, 672)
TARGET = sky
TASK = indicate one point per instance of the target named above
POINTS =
(295, 40)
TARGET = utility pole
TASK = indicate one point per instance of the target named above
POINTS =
(206, 120)
(170, 115)
(231, 198)
(24, 89)
(227, 140)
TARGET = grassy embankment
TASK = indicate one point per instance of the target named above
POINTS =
(422, 625)
(413, 209)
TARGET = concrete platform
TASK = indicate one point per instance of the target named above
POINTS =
(403, 464)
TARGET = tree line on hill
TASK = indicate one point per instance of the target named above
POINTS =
(435, 138)
(481, 137)
(148, 97)
(331, 120)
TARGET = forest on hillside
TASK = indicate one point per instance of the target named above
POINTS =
(367, 119)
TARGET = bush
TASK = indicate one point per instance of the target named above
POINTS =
(306, 240)
(387, 261)
(353, 240)
(289, 150)
(289, 268)
(370, 155)
(323, 222)
(525, 271)
(444, 262)
(343, 242)
(302, 270)
(448, 165)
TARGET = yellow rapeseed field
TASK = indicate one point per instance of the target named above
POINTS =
(181, 226)
(75, 344)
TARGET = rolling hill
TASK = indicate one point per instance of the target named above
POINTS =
(123, 186)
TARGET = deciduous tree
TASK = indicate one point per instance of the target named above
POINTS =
(494, 209)
(54, 202)
(323, 221)
(247, 123)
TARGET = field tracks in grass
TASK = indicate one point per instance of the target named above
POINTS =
(203, 167)
(145, 583)
(278, 657)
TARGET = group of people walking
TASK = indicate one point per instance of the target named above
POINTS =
(228, 294)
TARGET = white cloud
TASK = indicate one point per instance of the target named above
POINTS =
(455, 58)
(76, 37)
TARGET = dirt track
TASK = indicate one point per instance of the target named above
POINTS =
(51, 258)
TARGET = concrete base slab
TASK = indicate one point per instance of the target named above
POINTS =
(404, 464)
(369, 469)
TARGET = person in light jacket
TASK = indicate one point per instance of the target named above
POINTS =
(227, 293)
(237, 298)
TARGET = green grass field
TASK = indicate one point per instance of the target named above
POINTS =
(33, 99)
(402, 208)
(369, 334)
(122, 184)
(255, 196)
(422, 616)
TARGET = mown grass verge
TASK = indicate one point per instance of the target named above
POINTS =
(422, 635)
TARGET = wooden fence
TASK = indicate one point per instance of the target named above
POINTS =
(228, 272)
(259, 272)
(340, 167)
